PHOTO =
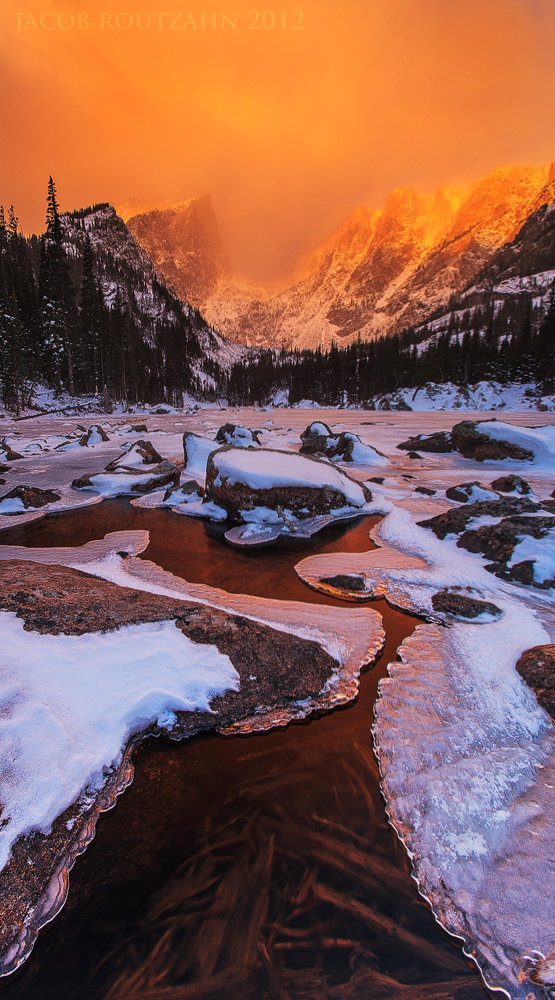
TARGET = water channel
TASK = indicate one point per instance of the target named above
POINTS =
(245, 868)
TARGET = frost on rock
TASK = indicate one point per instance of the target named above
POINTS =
(467, 755)
(343, 447)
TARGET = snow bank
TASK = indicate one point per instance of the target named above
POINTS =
(540, 440)
(68, 704)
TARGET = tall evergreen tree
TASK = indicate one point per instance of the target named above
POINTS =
(57, 294)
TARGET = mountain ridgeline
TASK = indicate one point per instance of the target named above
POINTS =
(83, 309)
(449, 288)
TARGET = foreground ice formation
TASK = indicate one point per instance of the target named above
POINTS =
(466, 753)
(99, 649)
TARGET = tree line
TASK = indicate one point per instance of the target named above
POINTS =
(511, 343)
(58, 326)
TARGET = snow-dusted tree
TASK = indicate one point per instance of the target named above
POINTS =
(57, 296)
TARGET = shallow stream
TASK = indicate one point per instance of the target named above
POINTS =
(255, 867)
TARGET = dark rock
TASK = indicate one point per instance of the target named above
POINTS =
(414, 454)
(344, 582)
(302, 501)
(7, 453)
(511, 484)
(452, 522)
(536, 666)
(139, 428)
(547, 505)
(424, 489)
(3, 481)
(313, 441)
(334, 446)
(376, 479)
(164, 474)
(31, 496)
(471, 443)
(145, 449)
(461, 606)
(235, 434)
(5, 468)
(497, 542)
(85, 438)
(191, 486)
(82, 482)
(439, 443)
(463, 492)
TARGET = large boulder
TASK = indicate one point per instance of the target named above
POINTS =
(512, 484)
(242, 479)
(480, 446)
(315, 438)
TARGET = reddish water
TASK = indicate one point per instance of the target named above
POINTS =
(258, 868)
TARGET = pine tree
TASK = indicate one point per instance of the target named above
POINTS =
(59, 314)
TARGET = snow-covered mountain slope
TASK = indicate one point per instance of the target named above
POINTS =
(380, 272)
(124, 268)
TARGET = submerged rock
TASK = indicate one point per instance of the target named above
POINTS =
(536, 666)
(475, 444)
(461, 606)
(136, 480)
(438, 443)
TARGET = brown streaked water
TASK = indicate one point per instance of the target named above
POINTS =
(249, 868)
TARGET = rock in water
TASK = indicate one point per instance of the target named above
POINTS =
(536, 666)
(240, 479)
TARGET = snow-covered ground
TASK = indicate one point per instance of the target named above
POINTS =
(466, 753)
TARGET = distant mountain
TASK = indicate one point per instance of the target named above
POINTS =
(381, 272)
(169, 331)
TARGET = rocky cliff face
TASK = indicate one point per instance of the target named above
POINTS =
(380, 272)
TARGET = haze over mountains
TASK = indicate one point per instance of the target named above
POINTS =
(381, 271)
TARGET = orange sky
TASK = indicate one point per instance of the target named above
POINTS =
(287, 129)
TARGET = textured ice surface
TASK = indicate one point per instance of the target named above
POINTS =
(466, 754)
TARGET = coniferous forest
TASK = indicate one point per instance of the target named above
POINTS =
(69, 320)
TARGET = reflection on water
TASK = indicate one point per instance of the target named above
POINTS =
(257, 868)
